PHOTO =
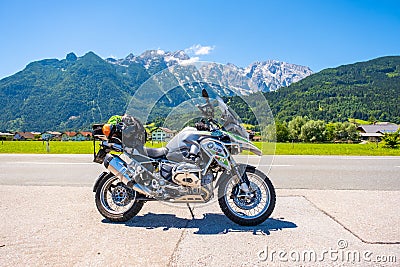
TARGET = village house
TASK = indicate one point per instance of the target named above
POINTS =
(256, 138)
(68, 136)
(21, 136)
(374, 132)
(51, 135)
(47, 136)
(6, 136)
(86, 136)
(162, 134)
(251, 134)
(76, 136)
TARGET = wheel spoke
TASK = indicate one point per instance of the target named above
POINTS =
(116, 197)
(249, 207)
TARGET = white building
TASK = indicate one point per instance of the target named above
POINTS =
(162, 134)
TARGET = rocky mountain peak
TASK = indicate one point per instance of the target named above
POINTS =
(267, 75)
(270, 75)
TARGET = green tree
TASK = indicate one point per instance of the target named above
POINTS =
(282, 131)
(372, 119)
(345, 131)
(392, 140)
(270, 133)
(351, 131)
(313, 131)
(294, 127)
(330, 131)
(341, 131)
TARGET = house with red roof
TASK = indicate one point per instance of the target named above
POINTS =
(76, 136)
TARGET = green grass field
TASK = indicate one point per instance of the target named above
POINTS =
(39, 147)
(370, 149)
(86, 147)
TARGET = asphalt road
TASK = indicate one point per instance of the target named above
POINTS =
(286, 172)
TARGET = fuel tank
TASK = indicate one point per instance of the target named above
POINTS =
(180, 145)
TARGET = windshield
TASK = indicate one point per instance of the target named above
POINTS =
(231, 122)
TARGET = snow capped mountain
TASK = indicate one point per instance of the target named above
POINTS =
(150, 57)
(260, 76)
(229, 77)
(271, 74)
(263, 76)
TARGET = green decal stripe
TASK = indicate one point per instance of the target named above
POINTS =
(237, 136)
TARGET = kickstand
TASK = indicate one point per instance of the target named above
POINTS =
(190, 209)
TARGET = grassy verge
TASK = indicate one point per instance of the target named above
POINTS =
(370, 149)
(39, 147)
(86, 147)
(55, 147)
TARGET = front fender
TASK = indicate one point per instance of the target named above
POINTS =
(250, 147)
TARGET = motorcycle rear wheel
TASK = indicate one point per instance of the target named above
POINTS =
(247, 211)
(116, 201)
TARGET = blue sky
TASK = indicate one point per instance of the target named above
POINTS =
(318, 34)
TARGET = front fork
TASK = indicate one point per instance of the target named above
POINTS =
(244, 182)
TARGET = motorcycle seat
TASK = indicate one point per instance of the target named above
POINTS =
(156, 153)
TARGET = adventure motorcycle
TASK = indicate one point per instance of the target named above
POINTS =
(194, 163)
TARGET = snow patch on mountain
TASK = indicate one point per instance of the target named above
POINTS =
(263, 76)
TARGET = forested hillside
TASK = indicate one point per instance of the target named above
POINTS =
(66, 94)
(367, 90)
(75, 92)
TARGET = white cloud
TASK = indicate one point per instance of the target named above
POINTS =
(198, 49)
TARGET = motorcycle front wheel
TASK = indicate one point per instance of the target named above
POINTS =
(247, 208)
(116, 201)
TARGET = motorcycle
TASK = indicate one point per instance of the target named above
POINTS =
(194, 164)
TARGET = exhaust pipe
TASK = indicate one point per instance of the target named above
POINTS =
(118, 167)
(142, 189)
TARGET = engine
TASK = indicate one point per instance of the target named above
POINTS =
(187, 174)
(189, 184)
